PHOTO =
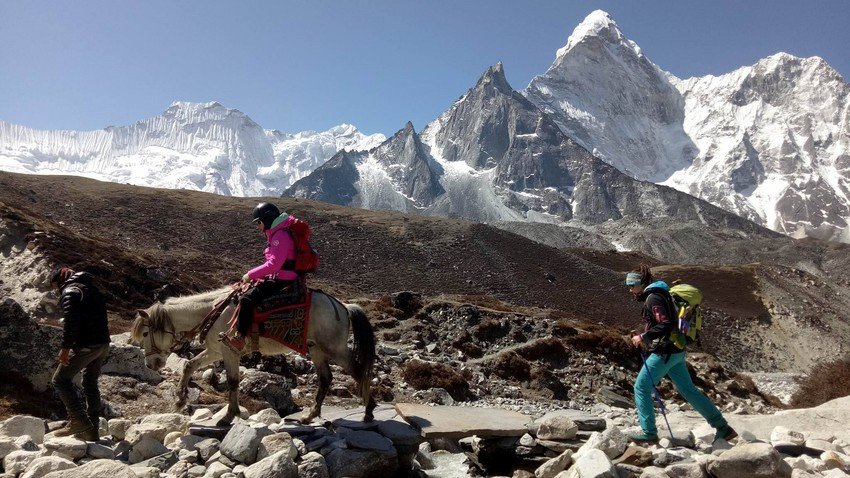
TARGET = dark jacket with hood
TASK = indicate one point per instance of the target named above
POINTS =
(83, 312)
(659, 317)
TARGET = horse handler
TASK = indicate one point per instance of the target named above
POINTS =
(85, 346)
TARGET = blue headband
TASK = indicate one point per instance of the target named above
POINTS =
(633, 278)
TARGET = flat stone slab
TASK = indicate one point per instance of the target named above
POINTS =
(209, 429)
(459, 422)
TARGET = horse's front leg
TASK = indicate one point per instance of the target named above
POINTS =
(323, 369)
(201, 360)
(231, 368)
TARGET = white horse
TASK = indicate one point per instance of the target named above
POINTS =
(158, 327)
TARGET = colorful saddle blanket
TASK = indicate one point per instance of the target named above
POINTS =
(284, 317)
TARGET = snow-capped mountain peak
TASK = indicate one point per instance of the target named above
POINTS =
(203, 146)
(598, 25)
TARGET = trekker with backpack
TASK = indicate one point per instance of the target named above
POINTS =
(665, 357)
(279, 271)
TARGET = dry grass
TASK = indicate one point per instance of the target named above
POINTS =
(510, 366)
(423, 375)
(826, 381)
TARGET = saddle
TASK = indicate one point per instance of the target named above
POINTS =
(282, 317)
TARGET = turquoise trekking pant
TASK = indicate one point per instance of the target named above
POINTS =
(676, 369)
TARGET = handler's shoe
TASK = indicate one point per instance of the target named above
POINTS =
(73, 427)
(643, 437)
(89, 434)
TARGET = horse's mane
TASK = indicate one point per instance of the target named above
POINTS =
(197, 300)
(158, 313)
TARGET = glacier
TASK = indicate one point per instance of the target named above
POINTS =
(198, 146)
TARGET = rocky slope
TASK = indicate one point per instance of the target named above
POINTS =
(200, 146)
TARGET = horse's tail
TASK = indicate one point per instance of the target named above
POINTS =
(364, 349)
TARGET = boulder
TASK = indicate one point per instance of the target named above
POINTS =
(366, 440)
(171, 422)
(354, 462)
(555, 465)
(685, 470)
(835, 459)
(20, 425)
(18, 461)
(557, 428)
(242, 442)
(146, 471)
(207, 448)
(98, 451)
(270, 387)
(583, 420)
(187, 442)
(611, 441)
(118, 427)
(96, 469)
(46, 464)
(137, 432)
(18, 333)
(593, 463)
(313, 465)
(67, 446)
(267, 416)
(399, 432)
(145, 449)
(279, 465)
(128, 360)
(7, 445)
(160, 462)
(215, 470)
(277, 442)
(755, 460)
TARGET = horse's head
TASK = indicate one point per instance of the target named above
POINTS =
(151, 332)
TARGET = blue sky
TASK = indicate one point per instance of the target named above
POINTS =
(312, 64)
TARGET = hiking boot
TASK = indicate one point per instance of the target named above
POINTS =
(643, 437)
(725, 433)
(89, 434)
(73, 427)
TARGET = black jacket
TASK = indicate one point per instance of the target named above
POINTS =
(84, 313)
(659, 316)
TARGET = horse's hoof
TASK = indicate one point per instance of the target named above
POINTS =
(368, 417)
(225, 422)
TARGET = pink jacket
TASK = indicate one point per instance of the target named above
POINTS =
(280, 248)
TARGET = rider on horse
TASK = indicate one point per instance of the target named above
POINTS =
(279, 268)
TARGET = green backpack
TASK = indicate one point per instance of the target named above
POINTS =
(687, 299)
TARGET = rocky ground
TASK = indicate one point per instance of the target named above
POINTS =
(417, 440)
(466, 316)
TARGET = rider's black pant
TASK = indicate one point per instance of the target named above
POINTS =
(255, 296)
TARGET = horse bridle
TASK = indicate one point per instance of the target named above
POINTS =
(155, 350)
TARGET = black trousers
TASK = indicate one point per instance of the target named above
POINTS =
(256, 295)
(89, 360)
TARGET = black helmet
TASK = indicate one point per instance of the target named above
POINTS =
(266, 212)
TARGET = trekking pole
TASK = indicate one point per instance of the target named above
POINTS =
(657, 395)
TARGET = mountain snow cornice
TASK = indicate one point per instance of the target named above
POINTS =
(201, 146)
(770, 142)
